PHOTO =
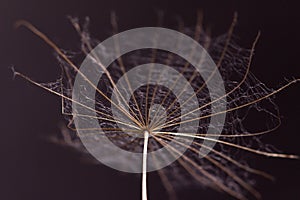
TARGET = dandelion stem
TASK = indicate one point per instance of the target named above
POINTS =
(144, 176)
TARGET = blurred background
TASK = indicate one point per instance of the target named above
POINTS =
(33, 168)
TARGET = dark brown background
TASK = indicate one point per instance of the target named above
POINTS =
(32, 168)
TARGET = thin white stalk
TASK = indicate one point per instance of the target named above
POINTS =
(144, 176)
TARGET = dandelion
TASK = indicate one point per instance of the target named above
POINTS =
(148, 119)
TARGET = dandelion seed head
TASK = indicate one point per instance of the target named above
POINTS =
(158, 110)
